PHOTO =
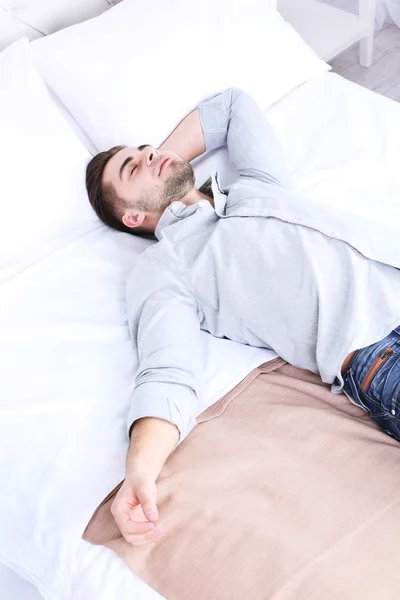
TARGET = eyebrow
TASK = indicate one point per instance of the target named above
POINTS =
(128, 160)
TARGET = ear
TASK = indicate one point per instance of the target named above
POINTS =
(133, 219)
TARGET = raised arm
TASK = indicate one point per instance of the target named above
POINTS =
(232, 117)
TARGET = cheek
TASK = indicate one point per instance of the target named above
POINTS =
(127, 192)
(177, 157)
(144, 180)
(146, 186)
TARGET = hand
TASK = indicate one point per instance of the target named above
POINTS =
(135, 511)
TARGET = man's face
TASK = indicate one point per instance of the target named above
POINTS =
(147, 181)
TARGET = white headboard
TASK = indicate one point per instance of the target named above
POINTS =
(35, 18)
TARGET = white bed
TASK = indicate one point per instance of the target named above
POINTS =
(342, 143)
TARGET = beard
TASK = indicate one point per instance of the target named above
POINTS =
(178, 184)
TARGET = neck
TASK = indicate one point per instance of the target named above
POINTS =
(194, 196)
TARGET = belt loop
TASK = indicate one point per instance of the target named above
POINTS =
(354, 389)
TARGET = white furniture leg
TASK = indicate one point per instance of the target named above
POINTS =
(367, 17)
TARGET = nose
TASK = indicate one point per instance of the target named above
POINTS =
(151, 155)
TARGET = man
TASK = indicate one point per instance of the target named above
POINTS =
(257, 264)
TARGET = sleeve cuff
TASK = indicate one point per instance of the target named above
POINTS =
(172, 402)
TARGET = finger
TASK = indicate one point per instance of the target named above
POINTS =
(139, 543)
(134, 528)
(141, 539)
(146, 494)
(121, 507)
(155, 530)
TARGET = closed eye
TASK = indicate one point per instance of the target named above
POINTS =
(133, 170)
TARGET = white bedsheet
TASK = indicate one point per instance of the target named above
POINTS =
(342, 143)
(13, 587)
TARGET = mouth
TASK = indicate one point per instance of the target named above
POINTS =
(163, 162)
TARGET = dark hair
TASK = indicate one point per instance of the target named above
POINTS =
(109, 207)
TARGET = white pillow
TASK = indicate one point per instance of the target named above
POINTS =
(43, 195)
(130, 75)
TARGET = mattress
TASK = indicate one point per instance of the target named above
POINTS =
(342, 144)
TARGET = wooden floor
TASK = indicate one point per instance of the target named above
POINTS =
(384, 74)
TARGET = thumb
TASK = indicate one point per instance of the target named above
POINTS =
(147, 498)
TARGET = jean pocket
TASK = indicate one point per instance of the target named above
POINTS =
(381, 383)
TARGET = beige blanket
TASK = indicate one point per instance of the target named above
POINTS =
(284, 491)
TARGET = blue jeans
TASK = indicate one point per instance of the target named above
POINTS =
(372, 381)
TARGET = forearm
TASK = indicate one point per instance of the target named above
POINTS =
(152, 441)
(187, 138)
